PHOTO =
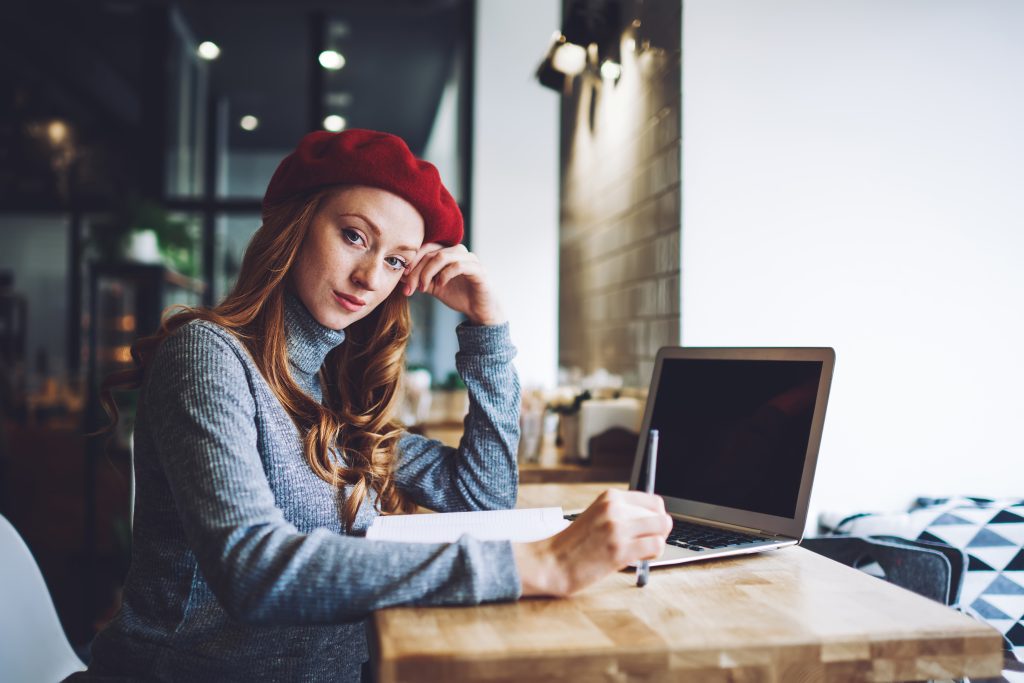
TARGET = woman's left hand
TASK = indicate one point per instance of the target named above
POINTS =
(457, 278)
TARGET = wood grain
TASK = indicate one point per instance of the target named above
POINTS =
(787, 615)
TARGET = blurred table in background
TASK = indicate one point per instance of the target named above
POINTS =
(42, 493)
(571, 497)
(550, 468)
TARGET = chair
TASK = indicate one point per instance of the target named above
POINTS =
(33, 646)
(933, 570)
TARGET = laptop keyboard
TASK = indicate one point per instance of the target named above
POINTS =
(701, 537)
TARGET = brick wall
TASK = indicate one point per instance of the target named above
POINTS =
(620, 203)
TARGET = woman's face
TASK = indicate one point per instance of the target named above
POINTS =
(354, 254)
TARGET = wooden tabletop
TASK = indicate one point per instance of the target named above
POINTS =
(786, 615)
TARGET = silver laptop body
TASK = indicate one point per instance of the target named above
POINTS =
(739, 433)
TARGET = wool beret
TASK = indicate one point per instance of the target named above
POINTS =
(373, 159)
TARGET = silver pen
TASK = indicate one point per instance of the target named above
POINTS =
(644, 571)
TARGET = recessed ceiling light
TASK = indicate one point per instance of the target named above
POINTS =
(331, 59)
(249, 122)
(334, 123)
(208, 50)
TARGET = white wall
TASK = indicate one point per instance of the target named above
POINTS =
(515, 176)
(853, 176)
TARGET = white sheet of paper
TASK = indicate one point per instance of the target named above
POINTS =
(522, 526)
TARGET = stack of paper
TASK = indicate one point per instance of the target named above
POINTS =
(523, 526)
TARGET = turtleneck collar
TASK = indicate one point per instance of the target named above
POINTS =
(309, 342)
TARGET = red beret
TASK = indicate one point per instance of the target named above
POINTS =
(373, 159)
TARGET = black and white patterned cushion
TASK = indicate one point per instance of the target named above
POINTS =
(990, 531)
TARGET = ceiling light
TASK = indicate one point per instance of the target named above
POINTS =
(589, 43)
(611, 70)
(334, 123)
(569, 58)
(208, 50)
(331, 59)
(249, 122)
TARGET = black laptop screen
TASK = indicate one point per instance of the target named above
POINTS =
(734, 432)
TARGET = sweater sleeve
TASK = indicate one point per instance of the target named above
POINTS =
(482, 473)
(261, 568)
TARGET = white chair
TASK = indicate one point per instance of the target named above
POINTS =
(33, 646)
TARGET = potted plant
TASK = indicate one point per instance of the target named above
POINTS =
(126, 234)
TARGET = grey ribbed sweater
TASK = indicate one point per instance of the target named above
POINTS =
(241, 569)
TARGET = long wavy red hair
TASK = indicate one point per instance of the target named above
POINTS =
(360, 378)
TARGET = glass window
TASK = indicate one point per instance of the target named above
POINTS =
(260, 81)
(234, 230)
(186, 113)
(34, 288)
(433, 343)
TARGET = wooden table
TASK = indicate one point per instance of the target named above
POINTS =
(787, 615)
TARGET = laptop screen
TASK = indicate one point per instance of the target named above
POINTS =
(734, 433)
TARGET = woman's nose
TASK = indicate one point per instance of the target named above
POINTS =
(367, 274)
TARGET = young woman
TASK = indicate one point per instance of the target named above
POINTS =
(265, 441)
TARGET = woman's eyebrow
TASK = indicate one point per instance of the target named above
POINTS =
(376, 230)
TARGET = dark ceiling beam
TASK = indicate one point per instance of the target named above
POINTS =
(317, 79)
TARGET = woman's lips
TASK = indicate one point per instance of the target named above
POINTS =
(349, 302)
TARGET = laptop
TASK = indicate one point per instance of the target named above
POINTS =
(739, 430)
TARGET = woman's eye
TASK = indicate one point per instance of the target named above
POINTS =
(395, 263)
(352, 236)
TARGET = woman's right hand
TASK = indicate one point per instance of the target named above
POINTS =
(619, 527)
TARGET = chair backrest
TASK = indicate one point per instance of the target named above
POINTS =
(932, 572)
(33, 646)
(957, 561)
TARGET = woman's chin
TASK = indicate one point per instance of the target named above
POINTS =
(334, 320)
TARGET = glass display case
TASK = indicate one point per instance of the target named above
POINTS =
(126, 302)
